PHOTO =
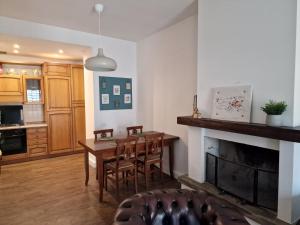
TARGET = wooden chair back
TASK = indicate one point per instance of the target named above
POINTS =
(126, 149)
(154, 144)
(134, 130)
(105, 133)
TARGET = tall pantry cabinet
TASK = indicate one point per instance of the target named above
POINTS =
(78, 108)
(64, 106)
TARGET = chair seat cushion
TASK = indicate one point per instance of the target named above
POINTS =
(123, 164)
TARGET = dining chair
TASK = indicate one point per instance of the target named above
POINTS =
(134, 130)
(146, 164)
(125, 163)
(103, 135)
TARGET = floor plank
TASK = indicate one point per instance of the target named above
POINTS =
(52, 191)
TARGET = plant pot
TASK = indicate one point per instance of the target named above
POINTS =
(274, 120)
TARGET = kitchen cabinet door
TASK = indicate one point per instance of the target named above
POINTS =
(78, 125)
(11, 88)
(33, 90)
(51, 69)
(60, 135)
(58, 93)
(77, 84)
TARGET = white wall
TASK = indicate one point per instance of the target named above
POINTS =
(297, 71)
(167, 82)
(251, 42)
(124, 52)
(118, 119)
(248, 42)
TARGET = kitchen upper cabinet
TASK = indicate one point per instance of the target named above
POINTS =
(58, 93)
(33, 89)
(11, 88)
(77, 84)
(60, 133)
(78, 125)
(50, 69)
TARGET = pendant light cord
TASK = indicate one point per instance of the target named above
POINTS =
(99, 31)
(99, 23)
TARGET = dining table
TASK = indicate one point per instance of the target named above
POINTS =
(107, 148)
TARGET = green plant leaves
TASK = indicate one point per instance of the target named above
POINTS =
(274, 108)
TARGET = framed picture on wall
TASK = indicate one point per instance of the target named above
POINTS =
(128, 85)
(127, 98)
(232, 103)
(105, 99)
(116, 90)
(115, 93)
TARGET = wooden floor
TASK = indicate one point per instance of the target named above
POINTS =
(52, 192)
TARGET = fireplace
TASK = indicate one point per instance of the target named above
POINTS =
(204, 133)
(247, 172)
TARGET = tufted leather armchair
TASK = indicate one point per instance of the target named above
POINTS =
(177, 207)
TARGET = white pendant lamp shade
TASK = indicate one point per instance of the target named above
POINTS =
(100, 62)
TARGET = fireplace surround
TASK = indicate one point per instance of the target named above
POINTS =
(285, 140)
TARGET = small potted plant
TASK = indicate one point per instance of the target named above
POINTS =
(274, 112)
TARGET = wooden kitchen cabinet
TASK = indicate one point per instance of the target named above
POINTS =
(60, 132)
(78, 125)
(33, 87)
(11, 89)
(78, 108)
(58, 93)
(51, 69)
(64, 106)
(77, 84)
(58, 107)
(37, 140)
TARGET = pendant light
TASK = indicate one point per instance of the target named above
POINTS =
(100, 62)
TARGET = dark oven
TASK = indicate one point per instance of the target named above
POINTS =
(13, 141)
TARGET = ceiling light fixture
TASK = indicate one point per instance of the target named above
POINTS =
(100, 62)
(16, 46)
(16, 51)
(61, 51)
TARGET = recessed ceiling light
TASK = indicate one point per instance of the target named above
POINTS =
(16, 51)
(16, 46)
(61, 51)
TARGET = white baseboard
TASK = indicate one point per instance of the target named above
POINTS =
(176, 173)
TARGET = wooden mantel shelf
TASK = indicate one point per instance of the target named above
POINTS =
(261, 130)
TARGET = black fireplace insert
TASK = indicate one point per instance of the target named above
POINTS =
(247, 172)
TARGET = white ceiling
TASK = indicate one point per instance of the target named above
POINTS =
(126, 19)
(42, 49)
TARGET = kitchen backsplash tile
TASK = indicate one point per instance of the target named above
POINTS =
(33, 113)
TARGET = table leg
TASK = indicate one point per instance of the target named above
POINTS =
(171, 159)
(100, 176)
(86, 166)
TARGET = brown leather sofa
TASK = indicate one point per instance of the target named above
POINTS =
(177, 207)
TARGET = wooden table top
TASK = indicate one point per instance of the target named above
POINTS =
(111, 144)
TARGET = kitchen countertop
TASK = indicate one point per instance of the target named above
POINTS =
(26, 125)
